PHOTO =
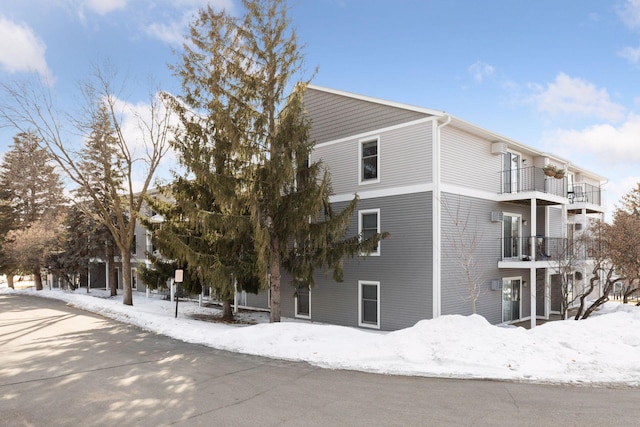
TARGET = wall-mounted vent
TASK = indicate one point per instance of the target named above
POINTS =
(498, 148)
(577, 226)
(578, 275)
(496, 284)
(497, 216)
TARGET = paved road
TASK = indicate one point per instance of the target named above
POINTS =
(64, 367)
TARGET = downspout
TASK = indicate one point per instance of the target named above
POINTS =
(437, 217)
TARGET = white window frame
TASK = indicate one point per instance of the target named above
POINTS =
(368, 212)
(298, 315)
(360, 304)
(361, 142)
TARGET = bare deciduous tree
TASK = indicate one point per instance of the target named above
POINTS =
(140, 147)
(463, 243)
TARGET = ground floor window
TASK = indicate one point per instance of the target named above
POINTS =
(303, 302)
(134, 279)
(511, 290)
(369, 304)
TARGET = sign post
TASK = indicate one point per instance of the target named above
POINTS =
(179, 274)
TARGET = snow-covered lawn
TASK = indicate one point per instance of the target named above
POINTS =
(604, 349)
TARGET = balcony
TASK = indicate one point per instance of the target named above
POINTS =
(531, 179)
(546, 248)
(520, 185)
(586, 196)
(516, 250)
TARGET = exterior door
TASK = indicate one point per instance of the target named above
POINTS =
(511, 173)
(511, 236)
(511, 290)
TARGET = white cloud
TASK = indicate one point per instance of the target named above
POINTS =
(481, 70)
(103, 7)
(576, 97)
(135, 122)
(629, 12)
(21, 50)
(631, 54)
(613, 147)
(172, 31)
(618, 188)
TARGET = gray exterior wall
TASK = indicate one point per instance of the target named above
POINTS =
(557, 227)
(260, 300)
(405, 159)
(476, 214)
(466, 160)
(404, 269)
(335, 116)
(464, 219)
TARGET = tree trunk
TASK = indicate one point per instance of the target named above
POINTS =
(227, 310)
(37, 278)
(10, 280)
(275, 281)
(597, 303)
(127, 295)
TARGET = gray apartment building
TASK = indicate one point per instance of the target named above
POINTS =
(449, 193)
(466, 208)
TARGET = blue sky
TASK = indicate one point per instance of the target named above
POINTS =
(559, 75)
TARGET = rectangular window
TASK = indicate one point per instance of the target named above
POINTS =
(369, 304)
(134, 278)
(369, 225)
(134, 245)
(303, 302)
(369, 161)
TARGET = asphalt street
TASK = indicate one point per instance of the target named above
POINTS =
(60, 366)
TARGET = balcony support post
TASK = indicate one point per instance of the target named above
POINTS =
(532, 271)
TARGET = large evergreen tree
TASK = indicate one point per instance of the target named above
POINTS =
(7, 222)
(33, 194)
(101, 199)
(204, 239)
(246, 138)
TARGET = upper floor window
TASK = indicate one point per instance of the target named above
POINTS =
(369, 160)
(369, 225)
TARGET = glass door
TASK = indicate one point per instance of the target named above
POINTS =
(511, 173)
(511, 289)
(511, 236)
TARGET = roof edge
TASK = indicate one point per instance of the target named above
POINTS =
(380, 101)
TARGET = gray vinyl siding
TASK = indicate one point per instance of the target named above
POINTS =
(335, 116)
(476, 214)
(260, 300)
(556, 224)
(405, 159)
(404, 269)
(466, 160)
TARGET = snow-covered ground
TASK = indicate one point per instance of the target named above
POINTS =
(602, 350)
